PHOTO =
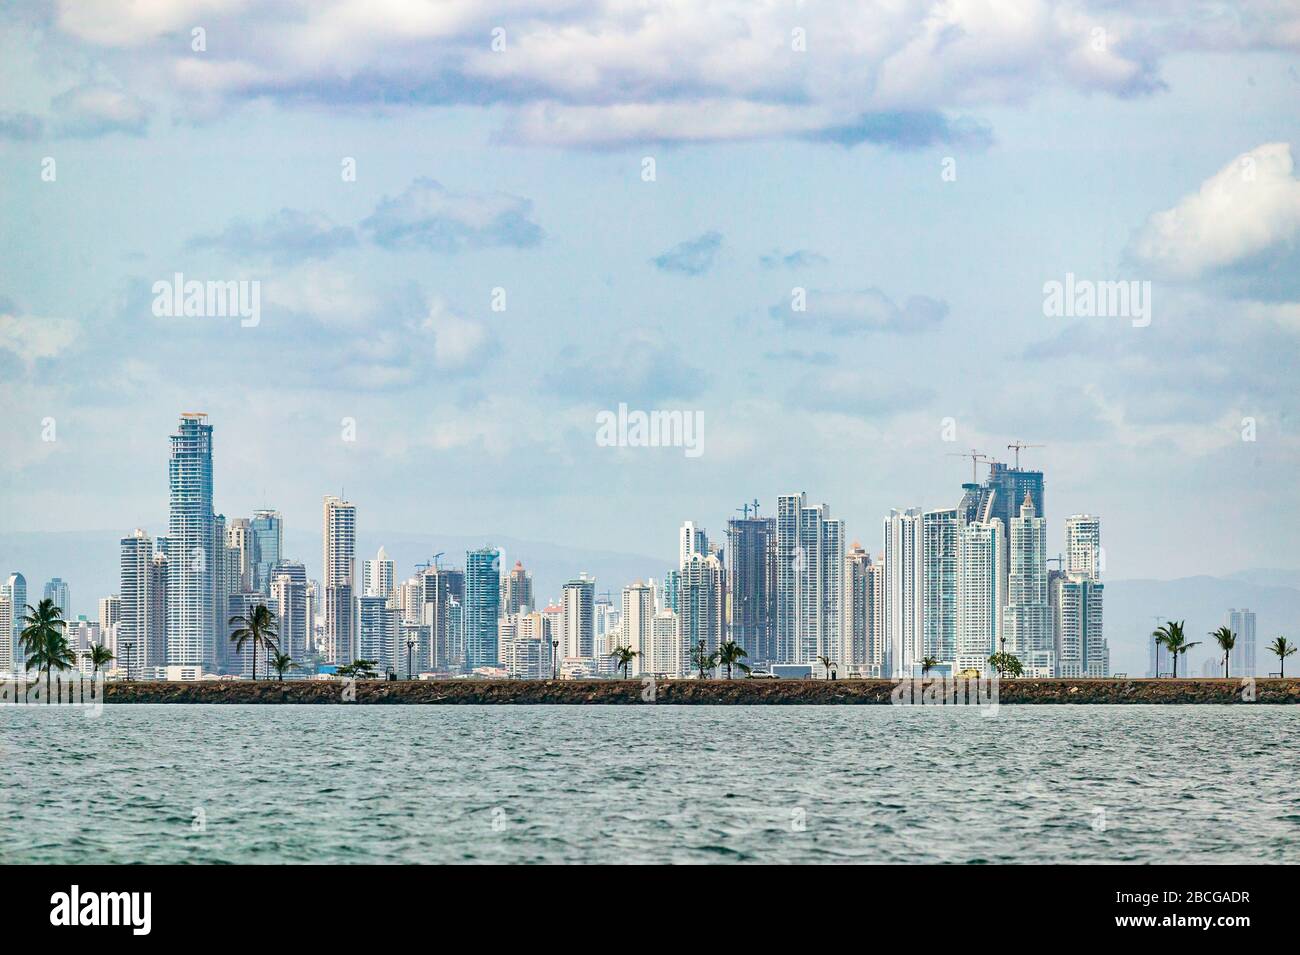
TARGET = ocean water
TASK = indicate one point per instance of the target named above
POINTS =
(650, 784)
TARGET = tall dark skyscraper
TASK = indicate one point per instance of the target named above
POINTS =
(1010, 486)
(751, 583)
(482, 606)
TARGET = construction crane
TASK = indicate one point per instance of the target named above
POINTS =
(746, 508)
(1018, 446)
(431, 563)
(975, 458)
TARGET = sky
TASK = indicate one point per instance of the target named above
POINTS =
(560, 208)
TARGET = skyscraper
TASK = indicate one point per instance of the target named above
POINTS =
(110, 611)
(7, 639)
(267, 527)
(340, 580)
(1028, 620)
(1083, 545)
(904, 590)
(15, 588)
(638, 625)
(289, 591)
(56, 589)
(751, 585)
(809, 581)
(864, 613)
(1081, 648)
(940, 530)
(482, 606)
(192, 591)
(377, 576)
(518, 591)
(142, 630)
(241, 548)
(691, 540)
(442, 612)
(578, 637)
(702, 601)
(1242, 661)
(980, 593)
(377, 632)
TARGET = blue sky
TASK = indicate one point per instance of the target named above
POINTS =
(774, 169)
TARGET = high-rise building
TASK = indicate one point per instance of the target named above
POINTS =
(442, 606)
(525, 646)
(672, 587)
(482, 606)
(864, 613)
(340, 580)
(15, 588)
(267, 527)
(981, 585)
(192, 587)
(377, 632)
(1081, 648)
(241, 551)
(1028, 618)
(289, 591)
(1242, 660)
(1083, 545)
(638, 625)
(377, 576)
(666, 653)
(110, 611)
(56, 589)
(940, 530)
(240, 661)
(904, 590)
(578, 633)
(701, 618)
(517, 595)
(7, 640)
(751, 586)
(1009, 486)
(691, 540)
(142, 630)
(809, 581)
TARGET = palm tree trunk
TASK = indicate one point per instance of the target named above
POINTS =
(254, 659)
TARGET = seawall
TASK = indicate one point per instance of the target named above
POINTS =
(699, 692)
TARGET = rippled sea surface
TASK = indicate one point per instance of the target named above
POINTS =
(650, 784)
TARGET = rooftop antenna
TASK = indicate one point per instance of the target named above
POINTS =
(1018, 446)
(975, 458)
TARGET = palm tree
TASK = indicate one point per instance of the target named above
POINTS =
(1281, 649)
(258, 626)
(1226, 640)
(45, 642)
(623, 657)
(1172, 636)
(705, 662)
(827, 662)
(732, 654)
(99, 656)
(928, 664)
(1007, 664)
(281, 662)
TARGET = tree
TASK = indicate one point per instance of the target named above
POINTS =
(99, 656)
(1226, 640)
(732, 654)
(258, 627)
(827, 662)
(1171, 635)
(360, 669)
(704, 662)
(928, 664)
(623, 657)
(281, 662)
(1281, 649)
(45, 642)
(1007, 664)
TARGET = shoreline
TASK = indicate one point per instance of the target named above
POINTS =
(738, 692)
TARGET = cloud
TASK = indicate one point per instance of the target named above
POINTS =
(30, 339)
(428, 216)
(646, 368)
(799, 356)
(1239, 232)
(285, 238)
(20, 126)
(598, 73)
(852, 392)
(862, 311)
(798, 259)
(692, 257)
(85, 112)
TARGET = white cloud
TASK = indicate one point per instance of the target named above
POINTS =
(1247, 208)
(33, 339)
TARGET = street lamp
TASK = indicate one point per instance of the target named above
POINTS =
(130, 646)
(410, 645)
(555, 659)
